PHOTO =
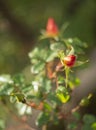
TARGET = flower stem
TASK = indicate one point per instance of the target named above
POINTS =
(67, 75)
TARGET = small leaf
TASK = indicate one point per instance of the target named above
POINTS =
(23, 108)
(62, 94)
(76, 115)
(46, 85)
(13, 99)
(93, 126)
(74, 82)
(63, 28)
(43, 118)
(47, 106)
(85, 101)
(36, 68)
(53, 99)
(6, 89)
(19, 79)
(63, 98)
(79, 63)
(5, 79)
(2, 124)
(72, 126)
(86, 127)
(20, 97)
(89, 119)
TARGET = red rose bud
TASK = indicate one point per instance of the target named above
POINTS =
(51, 28)
(69, 60)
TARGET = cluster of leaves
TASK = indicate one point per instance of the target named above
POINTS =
(52, 80)
(89, 122)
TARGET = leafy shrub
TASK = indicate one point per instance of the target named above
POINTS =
(53, 63)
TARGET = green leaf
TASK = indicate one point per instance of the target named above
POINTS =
(37, 67)
(30, 97)
(20, 97)
(6, 89)
(76, 115)
(13, 99)
(89, 119)
(79, 63)
(77, 44)
(19, 79)
(57, 46)
(62, 94)
(93, 126)
(5, 79)
(72, 126)
(23, 108)
(51, 56)
(43, 119)
(84, 102)
(63, 28)
(2, 124)
(53, 99)
(87, 127)
(63, 98)
(46, 85)
(27, 88)
(61, 79)
(74, 82)
(47, 106)
(71, 51)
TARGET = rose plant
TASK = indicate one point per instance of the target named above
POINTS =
(53, 63)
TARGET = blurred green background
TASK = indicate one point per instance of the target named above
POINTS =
(22, 20)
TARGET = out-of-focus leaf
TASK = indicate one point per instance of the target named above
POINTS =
(74, 83)
(63, 98)
(13, 99)
(23, 109)
(87, 127)
(76, 115)
(47, 106)
(46, 85)
(78, 63)
(77, 44)
(53, 99)
(57, 46)
(5, 79)
(85, 101)
(72, 126)
(27, 88)
(63, 28)
(2, 124)
(62, 94)
(61, 79)
(19, 79)
(93, 126)
(89, 119)
(43, 118)
(20, 97)
(6, 89)
(36, 68)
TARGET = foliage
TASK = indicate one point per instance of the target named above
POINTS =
(89, 122)
(52, 79)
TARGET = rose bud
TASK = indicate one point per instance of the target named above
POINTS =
(51, 28)
(69, 60)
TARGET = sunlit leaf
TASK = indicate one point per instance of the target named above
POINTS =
(93, 126)
(63, 98)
